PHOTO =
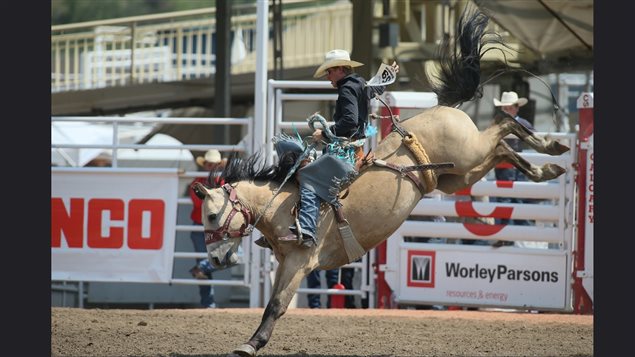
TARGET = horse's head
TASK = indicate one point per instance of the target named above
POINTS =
(225, 220)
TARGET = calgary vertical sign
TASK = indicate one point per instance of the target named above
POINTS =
(113, 225)
(583, 265)
(588, 223)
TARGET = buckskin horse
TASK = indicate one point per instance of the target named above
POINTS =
(382, 196)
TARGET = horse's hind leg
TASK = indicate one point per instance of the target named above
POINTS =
(535, 173)
(510, 126)
(289, 275)
(451, 183)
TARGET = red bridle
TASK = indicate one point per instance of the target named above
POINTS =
(223, 233)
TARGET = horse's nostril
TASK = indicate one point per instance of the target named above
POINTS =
(216, 262)
(231, 258)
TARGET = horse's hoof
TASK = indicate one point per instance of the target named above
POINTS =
(549, 172)
(245, 350)
(555, 148)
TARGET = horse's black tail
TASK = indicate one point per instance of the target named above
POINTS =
(459, 76)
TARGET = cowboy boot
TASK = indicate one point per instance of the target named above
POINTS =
(262, 242)
(307, 241)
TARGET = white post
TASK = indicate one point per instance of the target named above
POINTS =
(255, 269)
(260, 110)
(260, 90)
(271, 121)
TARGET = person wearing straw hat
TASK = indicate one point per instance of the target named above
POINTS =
(212, 157)
(213, 163)
(350, 117)
(510, 103)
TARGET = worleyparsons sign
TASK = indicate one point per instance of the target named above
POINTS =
(464, 275)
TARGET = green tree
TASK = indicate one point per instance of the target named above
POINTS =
(72, 11)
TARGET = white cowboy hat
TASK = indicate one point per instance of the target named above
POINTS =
(510, 98)
(335, 58)
(211, 156)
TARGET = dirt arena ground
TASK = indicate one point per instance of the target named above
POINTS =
(324, 333)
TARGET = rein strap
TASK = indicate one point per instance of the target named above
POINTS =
(400, 169)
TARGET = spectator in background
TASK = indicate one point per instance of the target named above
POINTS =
(212, 163)
(313, 282)
(510, 104)
(104, 159)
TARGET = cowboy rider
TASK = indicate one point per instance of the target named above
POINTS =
(351, 118)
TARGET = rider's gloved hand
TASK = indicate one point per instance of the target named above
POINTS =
(317, 135)
(395, 66)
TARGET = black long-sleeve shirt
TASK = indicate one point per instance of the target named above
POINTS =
(352, 105)
(516, 143)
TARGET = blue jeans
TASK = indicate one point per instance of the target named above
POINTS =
(313, 281)
(510, 175)
(309, 213)
(206, 292)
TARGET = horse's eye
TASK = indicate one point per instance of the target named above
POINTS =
(211, 217)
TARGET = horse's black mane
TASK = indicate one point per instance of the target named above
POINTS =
(253, 168)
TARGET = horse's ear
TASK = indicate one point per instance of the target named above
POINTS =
(199, 190)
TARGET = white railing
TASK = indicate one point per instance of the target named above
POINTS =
(115, 145)
(180, 46)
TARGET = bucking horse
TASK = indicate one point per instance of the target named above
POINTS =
(383, 193)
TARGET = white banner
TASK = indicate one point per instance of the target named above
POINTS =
(113, 227)
(468, 275)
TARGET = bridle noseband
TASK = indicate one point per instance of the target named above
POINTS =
(223, 233)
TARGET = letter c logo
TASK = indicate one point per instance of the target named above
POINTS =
(466, 209)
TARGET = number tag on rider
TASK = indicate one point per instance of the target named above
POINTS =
(385, 76)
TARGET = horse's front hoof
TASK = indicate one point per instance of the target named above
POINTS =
(245, 350)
